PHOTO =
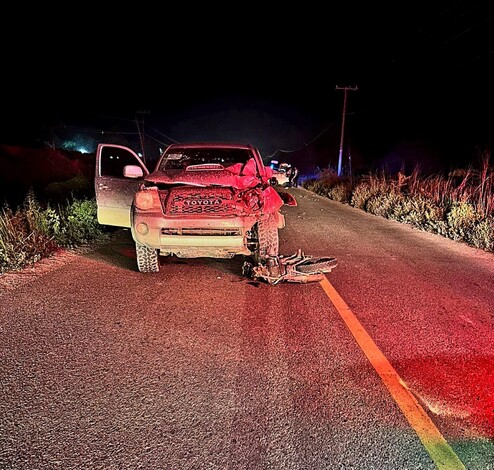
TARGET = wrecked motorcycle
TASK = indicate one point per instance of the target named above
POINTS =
(298, 268)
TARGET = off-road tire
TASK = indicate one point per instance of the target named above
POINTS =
(147, 259)
(321, 265)
(267, 232)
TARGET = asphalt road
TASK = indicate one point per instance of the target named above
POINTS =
(200, 367)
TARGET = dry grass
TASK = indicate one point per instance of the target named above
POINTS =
(459, 206)
(32, 231)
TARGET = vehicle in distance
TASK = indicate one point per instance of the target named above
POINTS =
(280, 173)
(201, 200)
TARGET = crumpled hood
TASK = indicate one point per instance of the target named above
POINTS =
(204, 178)
(272, 201)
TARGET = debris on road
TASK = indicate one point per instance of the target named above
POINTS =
(297, 268)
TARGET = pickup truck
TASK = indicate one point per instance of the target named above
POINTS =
(201, 199)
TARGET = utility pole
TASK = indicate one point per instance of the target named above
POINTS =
(345, 90)
(140, 129)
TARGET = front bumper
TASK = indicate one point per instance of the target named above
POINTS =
(194, 237)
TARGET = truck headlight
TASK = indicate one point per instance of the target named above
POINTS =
(147, 199)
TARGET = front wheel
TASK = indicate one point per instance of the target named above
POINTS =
(147, 259)
(268, 239)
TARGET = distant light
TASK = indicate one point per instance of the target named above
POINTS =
(76, 145)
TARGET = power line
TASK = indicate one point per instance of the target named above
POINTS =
(300, 147)
(164, 135)
(159, 141)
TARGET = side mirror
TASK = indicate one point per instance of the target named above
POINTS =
(288, 199)
(132, 171)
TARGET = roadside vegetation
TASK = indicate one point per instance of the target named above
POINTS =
(459, 206)
(33, 230)
(47, 204)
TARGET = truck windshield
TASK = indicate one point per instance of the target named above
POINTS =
(180, 159)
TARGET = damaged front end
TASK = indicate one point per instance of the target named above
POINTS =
(297, 268)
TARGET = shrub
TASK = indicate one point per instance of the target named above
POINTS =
(78, 223)
(459, 206)
(481, 235)
(33, 232)
(382, 203)
(461, 217)
(418, 211)
(322, 185)
(361, 194)
(20, 245)
(341, 192)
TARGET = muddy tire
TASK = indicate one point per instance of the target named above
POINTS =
(267, 231)
(321, 265)
(147, 259)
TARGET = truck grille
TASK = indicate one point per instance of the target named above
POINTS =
(227, 232)
(199, 201)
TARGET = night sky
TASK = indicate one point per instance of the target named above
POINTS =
(425, 76)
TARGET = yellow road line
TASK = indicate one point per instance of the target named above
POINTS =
(437, 447)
